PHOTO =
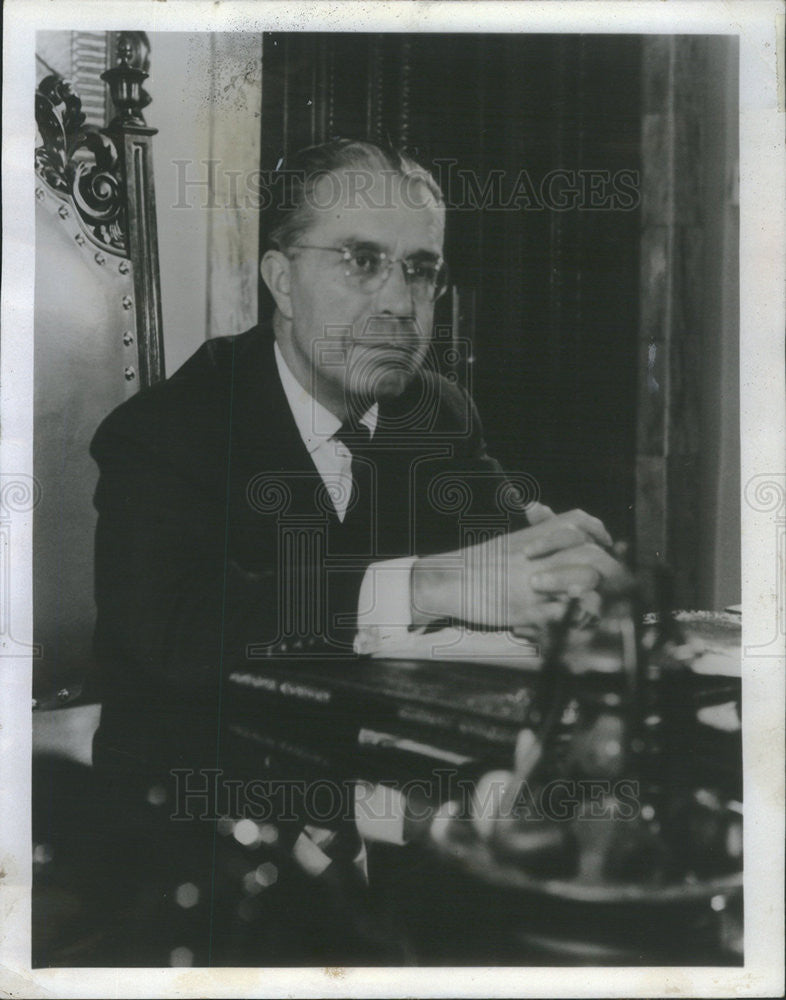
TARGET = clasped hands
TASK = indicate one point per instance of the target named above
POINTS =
(523, 579)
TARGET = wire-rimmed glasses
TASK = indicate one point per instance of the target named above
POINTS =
(368, 268)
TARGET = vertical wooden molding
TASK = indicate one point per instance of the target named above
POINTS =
(656, 303)
(143, 250)
(272, 133)
(720, 563)
(668, 488)
(133, 139)
(233, 234)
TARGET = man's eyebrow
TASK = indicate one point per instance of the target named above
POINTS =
(356, 243)
(424, 255)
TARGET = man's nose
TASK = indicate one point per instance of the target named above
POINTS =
(394, 295)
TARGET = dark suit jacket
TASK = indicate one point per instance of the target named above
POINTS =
(215, 533)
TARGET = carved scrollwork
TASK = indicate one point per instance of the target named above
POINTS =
(58, 114)
(98, 192)
(80, 162)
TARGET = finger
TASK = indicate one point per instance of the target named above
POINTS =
(583, 555)
(565, 580)
(537, 513)
(558, 536)
(593, 527)
(529, 621)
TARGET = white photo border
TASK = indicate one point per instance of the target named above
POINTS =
(759, 25)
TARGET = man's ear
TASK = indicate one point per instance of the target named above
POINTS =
(274, 268)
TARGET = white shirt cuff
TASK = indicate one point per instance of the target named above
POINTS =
(384, 604)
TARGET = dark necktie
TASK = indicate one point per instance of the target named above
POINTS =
(359, 517)
(353, 435)
(356, 437)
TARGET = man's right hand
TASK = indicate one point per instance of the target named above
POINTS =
(516, 580)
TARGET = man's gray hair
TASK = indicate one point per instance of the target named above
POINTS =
(293, 202)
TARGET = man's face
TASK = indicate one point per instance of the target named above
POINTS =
(357, 343)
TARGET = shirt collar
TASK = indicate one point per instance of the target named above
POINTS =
(315, 423)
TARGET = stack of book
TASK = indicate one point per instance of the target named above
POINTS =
(379, 719)
(395, 719)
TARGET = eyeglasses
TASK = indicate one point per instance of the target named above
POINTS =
(367, 269)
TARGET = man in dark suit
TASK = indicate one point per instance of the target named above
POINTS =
(305, 486)
(261, 441)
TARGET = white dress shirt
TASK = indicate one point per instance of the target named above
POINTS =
(317, 427)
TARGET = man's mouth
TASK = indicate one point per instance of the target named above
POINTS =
(391, 332)
(403, 347)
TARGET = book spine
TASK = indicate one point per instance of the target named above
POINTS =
(412, 716)
(282, 755)
(373, 756)
(341, 710)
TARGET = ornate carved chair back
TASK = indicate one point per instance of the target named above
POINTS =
(98, 339)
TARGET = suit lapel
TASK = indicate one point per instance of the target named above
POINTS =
(275, 484)
(266, 437)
